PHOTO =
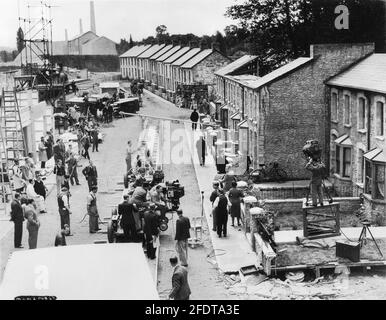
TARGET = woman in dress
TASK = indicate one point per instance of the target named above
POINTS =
(42, 149)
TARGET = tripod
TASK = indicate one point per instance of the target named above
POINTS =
(363, 236)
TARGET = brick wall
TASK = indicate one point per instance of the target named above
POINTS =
(204, 71)
(298, 110)
(288, 206)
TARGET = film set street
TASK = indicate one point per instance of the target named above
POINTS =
(192, 168)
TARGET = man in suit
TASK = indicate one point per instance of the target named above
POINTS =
(182, 236)
(125, 210)
(150, 230)
(180, 285)
(91, 174)
(17, 217)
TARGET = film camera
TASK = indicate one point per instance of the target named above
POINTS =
(312, 149)
(174, 192)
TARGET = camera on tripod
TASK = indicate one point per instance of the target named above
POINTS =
(174, 192)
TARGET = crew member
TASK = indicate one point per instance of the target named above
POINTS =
(317, 168)
(125, 210)
(17, 217)
(92, 210)
(194, 118)
(64, 207)
(150, 230)
(181, 289)
(182, 236)
(91, 175)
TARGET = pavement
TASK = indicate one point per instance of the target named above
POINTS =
(234, 251)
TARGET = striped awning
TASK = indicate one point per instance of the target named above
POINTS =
(376, 155)
(344, 140)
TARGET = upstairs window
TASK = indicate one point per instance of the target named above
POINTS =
(380, 119)
(347, 111)
(334, 106)
(361, 114)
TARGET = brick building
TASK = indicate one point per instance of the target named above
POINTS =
(154, 66)
(288, 106)
(357, 99)
(128, 61)
(201, 68)
(161, 66)
(166, 70)
(143, 62)
(176, 71)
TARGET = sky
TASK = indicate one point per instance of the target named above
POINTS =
(118, 19)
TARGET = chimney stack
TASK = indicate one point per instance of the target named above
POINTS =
(66, 35)
(92, 17)
(80, 26)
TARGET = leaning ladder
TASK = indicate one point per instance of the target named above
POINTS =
(15, 143)
(12, 144)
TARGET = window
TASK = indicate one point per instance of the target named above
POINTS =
(334, 106)
(361, 114)
(361, 168)
(369, 179)
(346, 162)
(379, 181)
(346, 115)
(337, 162)
(380, 119)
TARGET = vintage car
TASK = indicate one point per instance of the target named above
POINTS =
(127, 105)
(79, 272)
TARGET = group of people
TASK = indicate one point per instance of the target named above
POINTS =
(225, 203)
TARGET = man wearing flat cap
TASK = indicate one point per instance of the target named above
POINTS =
(64, 208)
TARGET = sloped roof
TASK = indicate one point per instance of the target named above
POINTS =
(274, 75)
(246, 80)
(235, 65)
(161, 52)
(368, 74)
(135, 51)
(190, 54)
(83, 34)
(151, 51)
(197, 58)
(177, 55)
(168, 54)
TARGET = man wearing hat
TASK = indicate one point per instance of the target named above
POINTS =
(64, 208)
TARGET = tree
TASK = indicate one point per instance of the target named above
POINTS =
(219, 39)
(281, 30)
(20, 40)
(123, 46)
(161, 33)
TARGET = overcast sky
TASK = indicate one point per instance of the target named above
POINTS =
(118, 19)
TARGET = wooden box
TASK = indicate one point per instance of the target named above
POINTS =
(349, 250)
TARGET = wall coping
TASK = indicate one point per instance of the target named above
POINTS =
(337, 199)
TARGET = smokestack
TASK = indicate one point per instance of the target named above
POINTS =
(80, 26)
(92, 17)
(66, 35)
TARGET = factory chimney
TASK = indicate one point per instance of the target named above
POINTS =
(66, 35)
(80, 26)
(92, 17)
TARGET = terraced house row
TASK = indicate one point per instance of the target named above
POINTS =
(165, 66)
(335, 95)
